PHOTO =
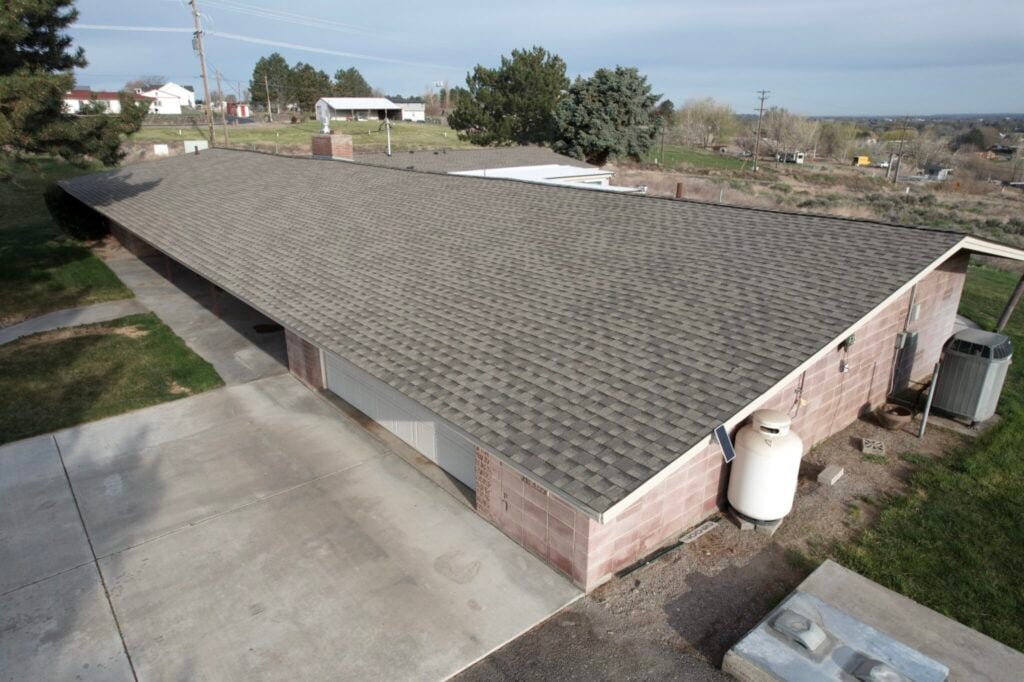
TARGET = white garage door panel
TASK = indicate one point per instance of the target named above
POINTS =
(405, 418)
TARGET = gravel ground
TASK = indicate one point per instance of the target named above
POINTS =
(677, 616)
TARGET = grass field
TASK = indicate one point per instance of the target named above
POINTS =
(679, 156)
(40, 268)
(57, 379)
(366, 135)
(954, 543)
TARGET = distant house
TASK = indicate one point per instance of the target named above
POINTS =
(937, 172)
(357, 109)
(239, 110)
(170, 98)
(862, 161)
(791, 157)
(413, 111)
(1002, 151)
(74, 100)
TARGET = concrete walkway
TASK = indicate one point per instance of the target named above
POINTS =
(72, 317)
(222, 330)
(251, 532)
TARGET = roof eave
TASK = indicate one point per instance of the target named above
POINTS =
(966, 244)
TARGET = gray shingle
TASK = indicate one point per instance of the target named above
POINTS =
(527, 315)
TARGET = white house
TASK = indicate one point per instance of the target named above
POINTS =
(170, 98)
(357, 109)
(74, 100)
(414, 111)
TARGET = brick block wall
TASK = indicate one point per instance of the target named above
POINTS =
(303, 360)
(591, 552)
(332, 146)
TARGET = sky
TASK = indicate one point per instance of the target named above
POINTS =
(816, 57)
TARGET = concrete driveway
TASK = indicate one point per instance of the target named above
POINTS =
(250, 532)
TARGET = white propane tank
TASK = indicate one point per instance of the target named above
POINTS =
(764, 474)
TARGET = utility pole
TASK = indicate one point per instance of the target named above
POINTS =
(757, 136)
(899, 152)
(197, 43)
(270, 112)
(223, 107)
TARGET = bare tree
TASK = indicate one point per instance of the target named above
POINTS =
(928, 149)
(705, 121)
(834, 139)
(785, 132)
(151, 82)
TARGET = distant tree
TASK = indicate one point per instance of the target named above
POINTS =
(928, 149)
(145, 83)
(274, 74)
(786, 132)
(980, 137)
(666, 111)
(612, 113)
(36, 59)
(835, 138)
(705, 121)
(514, 103)
(307, 84)
(350, 83)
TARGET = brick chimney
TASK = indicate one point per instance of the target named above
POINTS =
(332, 146)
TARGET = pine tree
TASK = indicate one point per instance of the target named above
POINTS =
(270, 73)
(350, 83)
(612, 113)
(36, 62)
(514, 103)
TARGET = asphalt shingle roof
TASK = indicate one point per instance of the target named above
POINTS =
(591, 338)
(455, 160)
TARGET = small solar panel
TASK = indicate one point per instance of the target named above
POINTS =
(723, 439)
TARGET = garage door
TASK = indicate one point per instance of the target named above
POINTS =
(407, 419)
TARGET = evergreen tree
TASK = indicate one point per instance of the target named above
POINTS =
(270, 73)
(36, 62)
(306, 85)
(514, 103)
(612, 113)
(350, 83)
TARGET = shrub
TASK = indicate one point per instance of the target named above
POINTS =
(74, 217)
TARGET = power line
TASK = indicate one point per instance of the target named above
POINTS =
(260, 41)
(288, 17)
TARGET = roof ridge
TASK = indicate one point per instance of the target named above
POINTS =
(633, 196)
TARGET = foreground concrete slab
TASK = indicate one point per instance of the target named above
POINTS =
(40, 532)
(72, 317)
(143, 475)
(61, 629)
(228, 339)
(367, 574)
(967, 653)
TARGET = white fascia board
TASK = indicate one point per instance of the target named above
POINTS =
(988, 248)
(737, 418)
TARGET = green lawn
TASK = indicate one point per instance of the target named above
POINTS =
(679, 156)
(366, 136)
(57, 379)
(41, 269)
(955, 543)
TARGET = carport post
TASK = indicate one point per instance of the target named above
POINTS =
(216, 301)
(1011, 304)
(167, 266)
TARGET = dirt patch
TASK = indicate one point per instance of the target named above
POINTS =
(677, 616)
(132, 332)
(177, 389)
